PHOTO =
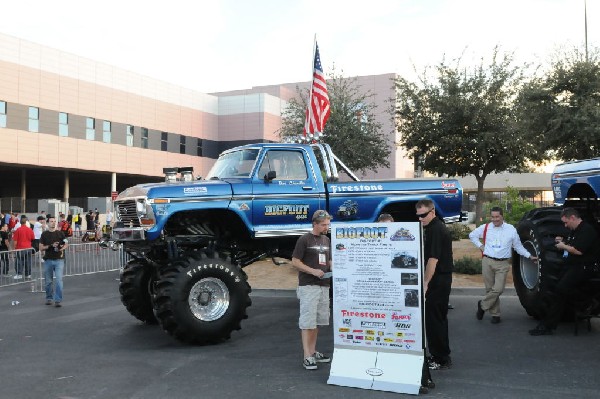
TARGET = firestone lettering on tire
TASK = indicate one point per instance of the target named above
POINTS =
(220, 267)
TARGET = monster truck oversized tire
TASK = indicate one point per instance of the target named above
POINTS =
(202, 299)
(537, 231)
(135, 289)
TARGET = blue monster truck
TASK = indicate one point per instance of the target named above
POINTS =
(189, 239)
(575, 184)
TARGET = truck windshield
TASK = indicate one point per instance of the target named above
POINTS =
(234, 164)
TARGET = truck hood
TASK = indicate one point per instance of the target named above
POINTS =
(578, 166)
(180, 190)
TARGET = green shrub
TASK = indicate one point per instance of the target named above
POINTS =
(458, 231)
(467, 265)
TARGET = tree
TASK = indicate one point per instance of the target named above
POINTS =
(458, 121)
(352, 131)
(560, 111)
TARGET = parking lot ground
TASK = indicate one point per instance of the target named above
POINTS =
(92, 348)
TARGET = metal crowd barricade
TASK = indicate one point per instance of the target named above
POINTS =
(24, 260)
(83, 258)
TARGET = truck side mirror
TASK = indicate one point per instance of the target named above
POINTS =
(270, 175)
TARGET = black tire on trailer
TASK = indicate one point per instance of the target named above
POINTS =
(202, 299)
(537, 231)
(136, 290)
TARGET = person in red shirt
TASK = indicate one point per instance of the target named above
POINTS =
(22, 238)
(12, 222)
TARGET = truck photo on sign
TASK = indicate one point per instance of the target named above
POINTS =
(377, 306)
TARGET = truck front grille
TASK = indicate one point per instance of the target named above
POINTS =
(127, 212)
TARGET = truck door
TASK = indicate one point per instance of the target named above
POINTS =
(283, 205)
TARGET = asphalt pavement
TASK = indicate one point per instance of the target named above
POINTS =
(93, 348)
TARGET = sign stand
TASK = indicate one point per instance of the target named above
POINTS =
(377, 306)
(379, 371)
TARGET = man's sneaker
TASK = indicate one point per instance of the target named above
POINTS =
(310, 363)
(48, 301)
(28, 276)
(436, 364)
(428, 384)
(321, 357)
(18, 277)
(57, 304)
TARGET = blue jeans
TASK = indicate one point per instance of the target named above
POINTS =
(54, 267)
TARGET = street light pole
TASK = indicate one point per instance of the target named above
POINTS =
(585, 16)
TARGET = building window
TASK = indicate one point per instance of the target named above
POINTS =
(164, 136)
(63, 124)
(182, 144)
(106, 125)
(34, 119)
(90, 129)
(2, 113)
(129, 135)
(199, 148)
(144, 141)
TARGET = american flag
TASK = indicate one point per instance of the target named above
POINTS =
(318, 110)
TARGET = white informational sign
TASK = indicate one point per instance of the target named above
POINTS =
(377, 306)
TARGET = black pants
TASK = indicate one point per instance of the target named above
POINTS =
(565, 291)
(425, 373)
(436, 316)
(4, 262)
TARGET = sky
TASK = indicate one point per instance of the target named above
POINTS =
(223, 45)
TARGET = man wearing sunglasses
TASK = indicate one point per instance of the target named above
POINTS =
(437, 283)
(312, 258)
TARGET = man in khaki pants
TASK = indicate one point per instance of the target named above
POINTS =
(499, 238)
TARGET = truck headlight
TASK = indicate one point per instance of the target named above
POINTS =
(141, 207)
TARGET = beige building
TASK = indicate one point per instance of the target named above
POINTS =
(535, 187)
(71, 127)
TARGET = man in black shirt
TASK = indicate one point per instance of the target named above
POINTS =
(89, 221)
(437, 283)
(580, 251)
(54, 243)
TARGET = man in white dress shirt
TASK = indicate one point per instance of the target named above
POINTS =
(499, 238)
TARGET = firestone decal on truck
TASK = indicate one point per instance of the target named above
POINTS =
(361, 187)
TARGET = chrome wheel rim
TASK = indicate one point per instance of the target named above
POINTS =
(530, 270)
(209, 299)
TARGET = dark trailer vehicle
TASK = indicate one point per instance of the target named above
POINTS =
(191, 239)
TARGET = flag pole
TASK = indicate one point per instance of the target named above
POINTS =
(312, 72)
